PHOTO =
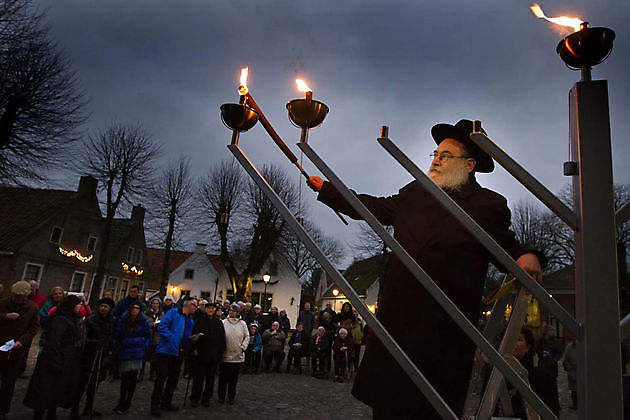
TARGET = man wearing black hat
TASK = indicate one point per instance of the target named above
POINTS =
(95, 357)
(455, 261)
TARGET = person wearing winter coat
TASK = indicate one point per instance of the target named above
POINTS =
(285, 322)
(154, 314)
(319, 354)
(296, 347)
(56, 379)
(19, 321)
(99, 332)
(549, 351)
(54, 299)
(206, 354)
(123, 304)
(273, 346)
(131, 342)
(342, 353)
(236, 342)
(253, 351)
(175, 331)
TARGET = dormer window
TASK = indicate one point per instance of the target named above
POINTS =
(91, 244)
(55, 235)
(130, 254)
(189, 273)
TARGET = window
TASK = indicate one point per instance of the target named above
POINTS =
(124, 286)
(189, 273)
(141, 286)
(230, 295)
(110, 286)
(55, 235)
(205, 295)
(139, 257)
(184, 293)
(76, 284)
(255, 298)
(130, 254)
(32, 272)
(91, 245)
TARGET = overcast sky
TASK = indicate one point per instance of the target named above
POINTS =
(408, 64)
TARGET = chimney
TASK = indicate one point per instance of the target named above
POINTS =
(87, 186)
(137, 214)
(200, 248)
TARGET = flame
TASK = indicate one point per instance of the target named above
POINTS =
(302, 86)
(571, 22)
(242, 89)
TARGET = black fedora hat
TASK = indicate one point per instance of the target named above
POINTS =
(461, 132)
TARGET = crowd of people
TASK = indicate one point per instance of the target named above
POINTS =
(134, 338)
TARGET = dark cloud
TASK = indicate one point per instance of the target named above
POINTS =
(407, 64)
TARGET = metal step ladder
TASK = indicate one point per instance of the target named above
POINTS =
(481, 405)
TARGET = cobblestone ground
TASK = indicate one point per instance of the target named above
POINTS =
(262, 396)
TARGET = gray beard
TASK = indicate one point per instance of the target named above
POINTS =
(453, 180)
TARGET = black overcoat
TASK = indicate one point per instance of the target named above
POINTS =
(457, 263)
(211, 345)
(55, 380)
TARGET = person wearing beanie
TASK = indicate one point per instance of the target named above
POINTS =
(56, 377)
(19, 321)
(342, 353)
(96, 355)
(169, 303)
(253, 351)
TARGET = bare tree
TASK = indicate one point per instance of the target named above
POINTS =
(368, 243)
(300, 258)
(121, 159)
(40, 100)
(171, 200)
(248, 234)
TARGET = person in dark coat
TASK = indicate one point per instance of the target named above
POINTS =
(342, 353)
(319, 353)
(455, 261)
(296, 348)
(154, 314)
(123, 304)
(255, 316)
(307, 319)
(285, 322)
(56, 378)
(273, 347)
(99, 331)
(207, 352)
(132, 339)
(549, 350)
(19, 321)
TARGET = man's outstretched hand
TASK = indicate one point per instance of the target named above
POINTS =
(315, 183)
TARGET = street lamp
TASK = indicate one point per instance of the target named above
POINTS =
(266, 278)
(335, 292)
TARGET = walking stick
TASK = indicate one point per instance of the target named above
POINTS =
(187, 387)
(98, 357)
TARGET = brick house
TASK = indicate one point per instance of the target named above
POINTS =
(52, 236)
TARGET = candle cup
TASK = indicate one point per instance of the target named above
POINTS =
(586, 47)
(307, 113)
(238, 117)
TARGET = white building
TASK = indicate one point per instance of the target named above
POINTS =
(200, 274)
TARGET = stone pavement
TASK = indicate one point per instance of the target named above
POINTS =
(264, 396)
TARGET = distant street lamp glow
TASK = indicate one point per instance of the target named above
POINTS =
(335, 292)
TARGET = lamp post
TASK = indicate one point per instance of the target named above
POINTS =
(266, 278)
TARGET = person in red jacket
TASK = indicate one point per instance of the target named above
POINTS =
(36, 296)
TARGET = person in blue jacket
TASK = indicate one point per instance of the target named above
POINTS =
(175, 331)
(131, 342)
(252, 354)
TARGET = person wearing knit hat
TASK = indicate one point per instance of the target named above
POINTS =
(18, 322)
(342, 353)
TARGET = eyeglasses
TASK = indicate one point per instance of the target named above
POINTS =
(445, 156)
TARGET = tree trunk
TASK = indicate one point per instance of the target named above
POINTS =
(167, 250)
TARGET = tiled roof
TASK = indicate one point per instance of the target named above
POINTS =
(155, 261)
(362, 274)
(23, 210)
